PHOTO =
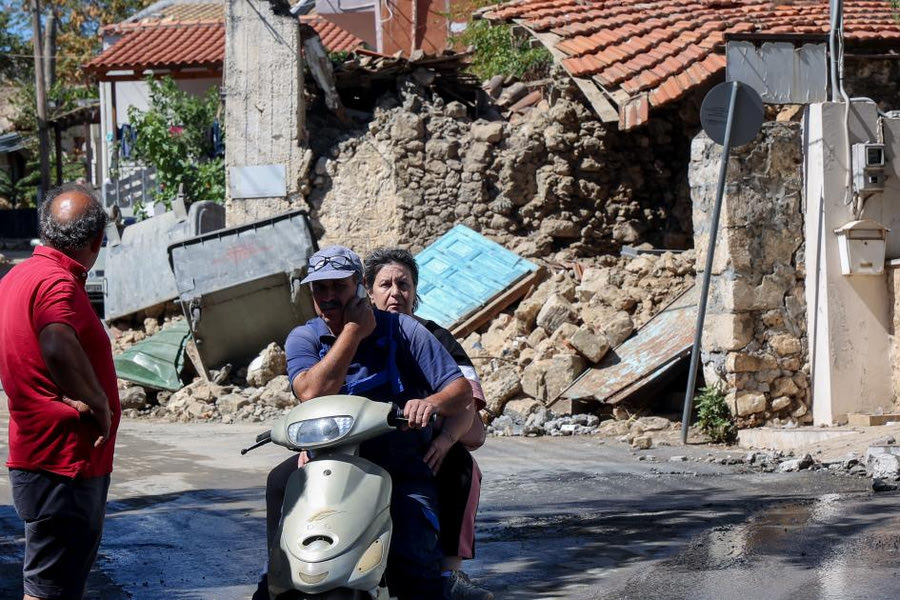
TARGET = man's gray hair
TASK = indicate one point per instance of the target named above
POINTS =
(75, 234)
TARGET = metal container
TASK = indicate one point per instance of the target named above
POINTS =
(136, 266)
(240, 287)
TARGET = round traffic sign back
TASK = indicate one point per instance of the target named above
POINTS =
(747, 118)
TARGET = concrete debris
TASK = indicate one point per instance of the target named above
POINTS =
(270, 363)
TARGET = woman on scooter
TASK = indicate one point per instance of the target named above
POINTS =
(392, 277)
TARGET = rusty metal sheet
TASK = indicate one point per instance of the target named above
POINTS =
(658, 346)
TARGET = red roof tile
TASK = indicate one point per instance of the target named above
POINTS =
(334, 38)
(181, 36)
(195, 45)
(661, 49)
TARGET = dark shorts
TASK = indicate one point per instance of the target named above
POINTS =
(63, 524)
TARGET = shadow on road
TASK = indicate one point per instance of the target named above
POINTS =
(178, 546)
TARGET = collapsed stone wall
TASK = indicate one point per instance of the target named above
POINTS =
(755, 340)
(876, 78)
(554, 178)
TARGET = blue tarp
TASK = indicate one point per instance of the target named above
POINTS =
(461, 272)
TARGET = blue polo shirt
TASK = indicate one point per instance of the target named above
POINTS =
(423, 367)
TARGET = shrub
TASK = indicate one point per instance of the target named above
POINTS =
(499, 51)
(714, 417)
(173, 135)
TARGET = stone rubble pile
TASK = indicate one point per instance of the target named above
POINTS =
(526, 356)
(531, 353)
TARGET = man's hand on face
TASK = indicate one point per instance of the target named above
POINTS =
(358, 312)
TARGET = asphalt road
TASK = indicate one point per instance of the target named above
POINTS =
(573, 518)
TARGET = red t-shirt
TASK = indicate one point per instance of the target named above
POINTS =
(45, 433)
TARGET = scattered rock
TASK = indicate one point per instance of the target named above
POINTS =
(270, 363)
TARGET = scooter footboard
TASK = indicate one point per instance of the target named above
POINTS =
(335, 530)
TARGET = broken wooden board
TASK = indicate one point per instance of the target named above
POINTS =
(660, 345)
(861, 420)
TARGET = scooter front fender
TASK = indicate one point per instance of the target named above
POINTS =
(336, 528)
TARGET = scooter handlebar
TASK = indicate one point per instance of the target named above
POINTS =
(396, 417)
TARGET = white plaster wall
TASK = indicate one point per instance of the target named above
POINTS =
(848, 316)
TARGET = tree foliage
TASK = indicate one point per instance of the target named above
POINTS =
(79, 27)
(173, 135)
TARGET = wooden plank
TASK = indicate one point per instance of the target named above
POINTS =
(497, 304)
(861, 420)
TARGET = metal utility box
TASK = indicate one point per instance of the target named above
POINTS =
(137, 273)
(240, 287)
(861, 246)
(868, 167)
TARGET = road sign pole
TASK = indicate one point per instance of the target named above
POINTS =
(710, 252)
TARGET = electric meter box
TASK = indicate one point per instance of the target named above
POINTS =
(868, 167)
(862, 246)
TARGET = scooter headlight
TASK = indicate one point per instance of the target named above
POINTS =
(319, 431)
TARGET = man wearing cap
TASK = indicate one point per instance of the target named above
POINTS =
(351, 348)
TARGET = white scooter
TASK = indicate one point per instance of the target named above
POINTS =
(335, 528)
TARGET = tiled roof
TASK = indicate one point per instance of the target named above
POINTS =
(168, 13)
(334, 38)
(190, 35)
(169, 46)
(646, 53)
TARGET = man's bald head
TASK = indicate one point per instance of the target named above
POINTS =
(71, 218)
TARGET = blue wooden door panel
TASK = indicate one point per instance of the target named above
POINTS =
(461, 271)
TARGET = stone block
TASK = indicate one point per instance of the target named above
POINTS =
(487, 131)
(533, 379)
(231, 403)
(749, 403)
(784, 386)
(740, 362)
(785, 344)
(560, 229)
(520, 409)
(133, 397)
(618, 329)
(723, 332)
(592, 280)
(564, 368)
(591, 345)
(537, 336)
(527, 312)
(270, 363)
(500, 386)
(555, 312)
(407, 127)
(780, 403)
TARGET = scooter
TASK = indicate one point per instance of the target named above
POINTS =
(335, 528)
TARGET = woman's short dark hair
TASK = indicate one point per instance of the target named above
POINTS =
(75, 234)
(381, 257)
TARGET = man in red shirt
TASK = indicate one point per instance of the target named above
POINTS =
(56, 367)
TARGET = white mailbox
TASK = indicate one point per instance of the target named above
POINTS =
(862, 245)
